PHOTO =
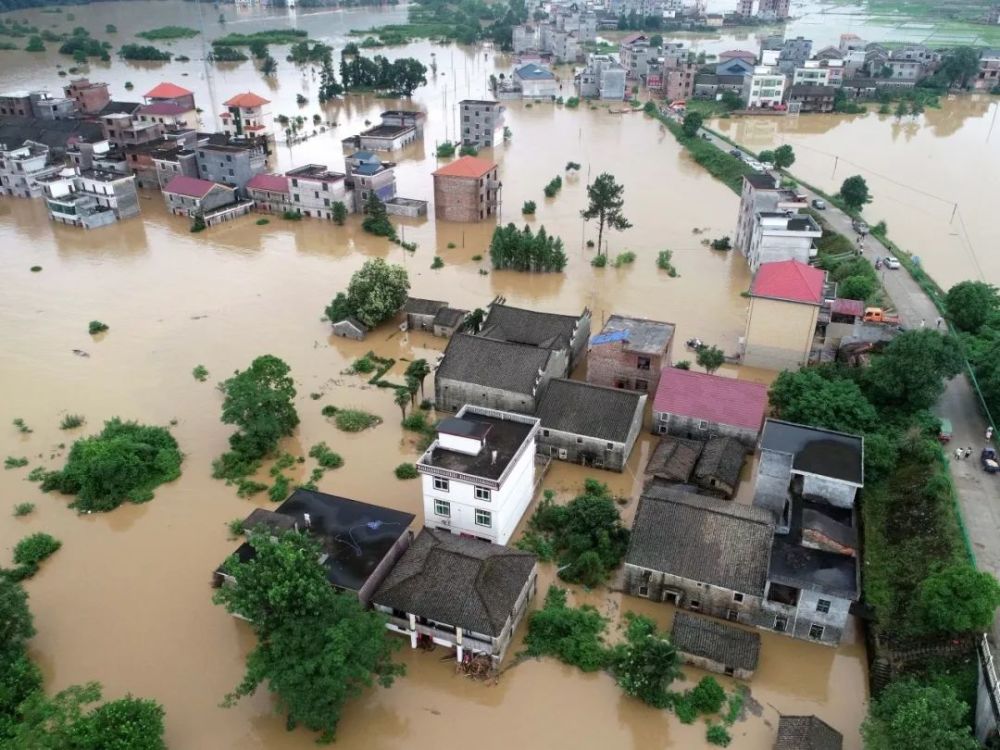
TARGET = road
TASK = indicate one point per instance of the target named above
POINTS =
(977, 490)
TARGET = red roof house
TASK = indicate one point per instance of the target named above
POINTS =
(189, 187)
(468, 166)
(271, 183)
(168, 91)
(247, 100)
(697, 405)
(789, 280)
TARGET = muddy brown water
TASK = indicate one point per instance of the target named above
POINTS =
(127, 600)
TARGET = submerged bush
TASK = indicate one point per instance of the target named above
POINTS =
(96, 327)
(406, 471)
(71, 421)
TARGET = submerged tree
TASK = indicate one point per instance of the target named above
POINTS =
(606, 203)
(329, 87)
(647, 663)
(526, 251)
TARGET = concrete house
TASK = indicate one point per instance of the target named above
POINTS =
(361, 542)
(700, 554)
(678, 81)
(350, 328)
(603, 78)
(467, 189)
(492, 373)
(536, 82)
(23, 166)
(761, 197)
(420, 313)
(715, 646)
(736, 66)
(170, 160)
(397, 129)
(90, 98)
(171, 116)
(564, 335)
(480, 120)
(629, 353)
(234, 163)
(588, 424)
(806, 733)
(764, 88)
(90, 198)
(696, 405)
(789, 304)
(367, 174)
(247, 115)
(988, 75)
(448, 320)
(479, 473)
(189, 196)
(458, 593)
(635, 54)
(806, 98)
(313, 189)
(171, 93)
(270, 193)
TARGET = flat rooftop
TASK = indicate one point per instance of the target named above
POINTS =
(837, 455)
(640, 335)
(805, 568)
(386, 131)
(317, 172)
(505, 436)
(354, 536)
(103, 175)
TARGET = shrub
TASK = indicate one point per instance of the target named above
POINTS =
(573, 102)
(236, 528)
(708, 696)
(32, 550)
(261, 222)
(96, 327)
(437, 262)
(326, 457)
(415, 421)
(363, 365)
(23, 509)
(329, 410)
(574, 635)
(14, 463)
(526, 250)
(406, 471)
(623, 259)
(683, 365)
(279, 490)
(528, 208)
(71, 421)
(477, 257)
(599, 261)
(445, 150)
(36, 269)
(451, 245)
(200, 373)
(249, 487)
(722, 243)
(717, 734)
(295, 215)
(468, 150)
(355, 420)
(554, 186)
(22, 426)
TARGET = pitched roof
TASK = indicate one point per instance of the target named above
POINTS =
(702, 539)
(275, 183)
(721, 459)
(582, 408)
(534, 72)
(806, 733)
(462, 582)
(468, 166)
(418, 306)
(163, 108)
(852, 307)
(789, 280)
(711, 639)
(674, 458)
(449, 317)
(738, 53)
(520, 326)
(167, 91)
(192, 187)
(837, 455)
(712, 398)
(492, 363)
(247, 99)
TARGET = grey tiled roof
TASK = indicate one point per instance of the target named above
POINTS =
(702, 539)
(722, 459)
(417, 306)
(456, 581)
(519, 326)
(674, 458)
(589, 410)
(806, 733)
(711, 639)
(492, 363)
(449, 317)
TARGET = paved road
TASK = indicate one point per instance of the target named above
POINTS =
(978, 494)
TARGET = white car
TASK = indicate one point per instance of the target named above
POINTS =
(892, 263)
(755, 165)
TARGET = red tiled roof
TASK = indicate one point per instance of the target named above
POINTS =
(467, 166)
(247, 100)
(192, 187)
(167, 91)
(163, 108)
(712, 398)
(275, 183)
(789, 280)
(848, 307)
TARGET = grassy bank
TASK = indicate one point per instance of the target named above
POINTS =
(719, 164)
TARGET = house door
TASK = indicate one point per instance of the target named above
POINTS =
(671, 597)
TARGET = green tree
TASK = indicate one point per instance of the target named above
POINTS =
(377, 291)
(571, 634)
(959, 65)
(269, 67)
(403, 398)
(916, 716)
(35, 45)
(854, 192)
(692, 124)
(901, 110)
(646, 664)
(711, 358)
(910, 373)
(329, 87)
(767, 157)
(784, 156)
(958, 599)
(258, 48)
(860, 287)
(656, 41)
(419, 370)
(376, 219)
(339, 213)
(731, 100)
(806, 397)
(316, 648)
(606, 203)
(260, 402)
(971, 303)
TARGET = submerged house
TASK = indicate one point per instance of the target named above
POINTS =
(630, 353)
(589, 424)
(361, 542)
(806, 733)
(674, 459)
(719, 466)
(350, 328)
(564, 335)
(715, 646)
(458, 593)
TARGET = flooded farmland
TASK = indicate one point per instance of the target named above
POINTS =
(127, 599)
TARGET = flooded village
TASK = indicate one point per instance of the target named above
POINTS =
(208, 214)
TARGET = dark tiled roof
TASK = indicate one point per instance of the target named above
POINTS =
(418, 306)
(813, 569)
(449, 317)
(761, 181)
(520, 326)
(702, 539)
(56, 134)
(492, 363)
(581, 408)
(837, 455)
(456, 581)
(806, 733)
(711, 639)
(674, 458)
(721, 459)
(119, 108)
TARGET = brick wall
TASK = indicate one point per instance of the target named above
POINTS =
(462, 198)
(611, 365)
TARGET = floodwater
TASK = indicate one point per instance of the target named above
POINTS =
(127, 600)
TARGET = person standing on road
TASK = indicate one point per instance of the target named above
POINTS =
(938, 322)
(968, 451)
(923, 322)
(958, 454)
(989, 433)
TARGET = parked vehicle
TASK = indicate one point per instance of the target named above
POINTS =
(944, 433)
(988, 458)
(735, 152)
(819, 205)
(878, 315)
(892, 263)
(766, 166)
(755, 165)
(859, 226)
(695, 344)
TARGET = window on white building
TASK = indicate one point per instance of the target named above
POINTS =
(823, 606)
(482, 494)
(816, 632)
(737, 597)
(442, 508)
(484, 518)
(441, 485)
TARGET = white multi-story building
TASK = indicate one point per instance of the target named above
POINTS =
(764, 89)
(313, 189)
(770, 227)
(811, 74)
(22, 167)
(91, 198)
(479, 474)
